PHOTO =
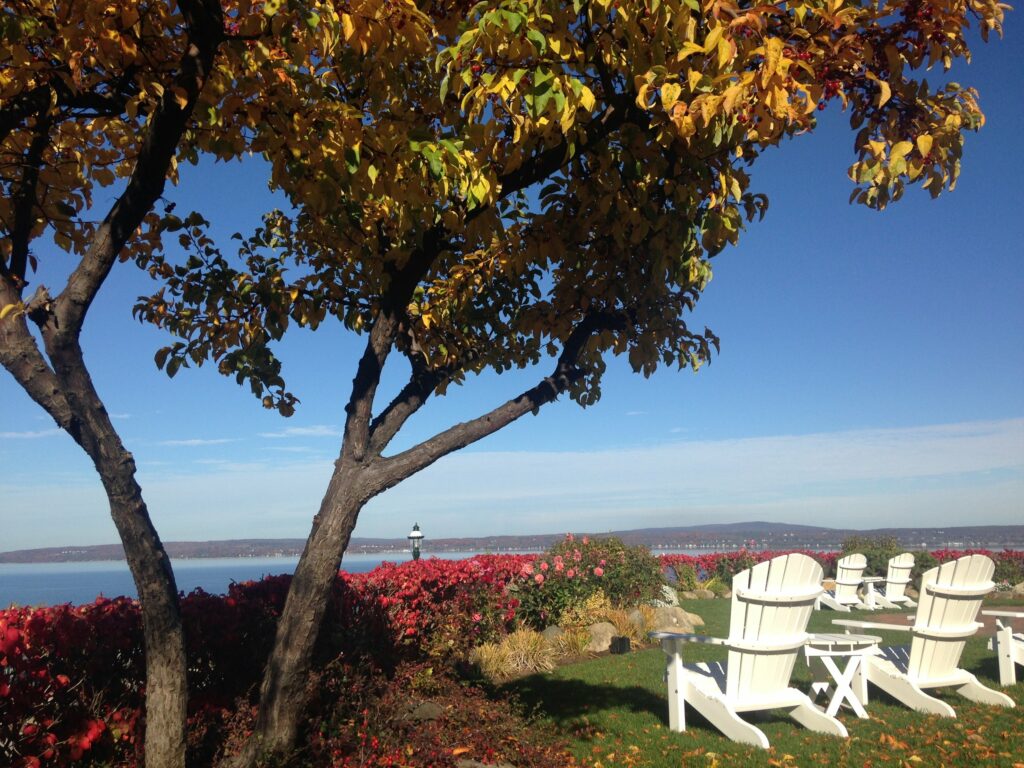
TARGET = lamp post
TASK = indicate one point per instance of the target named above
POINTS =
(415, 537)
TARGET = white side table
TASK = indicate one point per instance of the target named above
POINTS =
(831, 647)
(869, 591)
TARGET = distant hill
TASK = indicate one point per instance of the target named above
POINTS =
(712, 536)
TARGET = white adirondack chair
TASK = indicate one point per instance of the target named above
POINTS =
(1008, 645)
(951, 595)
(893, 594)
(771, 604)
(849, 574)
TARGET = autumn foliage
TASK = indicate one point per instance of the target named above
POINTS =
(71, 677)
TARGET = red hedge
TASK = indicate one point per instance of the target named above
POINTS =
(72, 677)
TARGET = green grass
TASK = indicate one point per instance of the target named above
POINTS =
(613, 711)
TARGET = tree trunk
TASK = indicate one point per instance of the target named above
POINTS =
(164, 637)
(283, 693)
(67, 393)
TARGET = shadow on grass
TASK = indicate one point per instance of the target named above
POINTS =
(565, 701)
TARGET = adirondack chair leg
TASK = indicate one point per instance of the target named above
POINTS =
(884, 602)
(904, 691)
(727, 721)
(812, 718)
(674, 676)
(909, 603)
(830, 602)
(975, 691)
(1002, 643)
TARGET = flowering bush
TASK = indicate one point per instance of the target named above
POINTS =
(574, 569)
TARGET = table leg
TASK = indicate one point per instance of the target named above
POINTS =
(844, 690)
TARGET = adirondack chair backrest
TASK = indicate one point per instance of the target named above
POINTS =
(951, 595)
(898, 576)
(849, 571)
(771, 605)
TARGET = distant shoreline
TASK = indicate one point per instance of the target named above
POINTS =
(720, 537)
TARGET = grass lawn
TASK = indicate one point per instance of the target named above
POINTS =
(614, 712)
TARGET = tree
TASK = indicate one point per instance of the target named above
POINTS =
(93, 95)
(478, 188)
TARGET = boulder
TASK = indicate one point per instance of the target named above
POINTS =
(636, 618)
(912, 593)
(727, 594)
(688, 595)
(669, 596)
(601, 635)
(672, 620)
(1018, 589)
(703, 594)
(552, 633)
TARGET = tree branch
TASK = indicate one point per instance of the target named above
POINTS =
(204, 20)
(566, 372)
(25, 201)
(412, 397)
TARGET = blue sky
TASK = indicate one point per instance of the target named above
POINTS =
(871, 374)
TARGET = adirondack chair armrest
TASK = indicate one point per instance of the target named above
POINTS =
(1005, 614)
(848, 582)
(870, 625)
(687, 638)
(897, 581)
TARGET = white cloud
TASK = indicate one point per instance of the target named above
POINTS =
(120, 416)
(923, 476)
(316, 430)
(196, 441)
(29, 435)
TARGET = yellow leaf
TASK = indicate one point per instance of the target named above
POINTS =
(924, 144)
(460, 751)
(670, 95)
(772, 57)
(347, 27)
(587, 99)
(17, 308)
(899, 150)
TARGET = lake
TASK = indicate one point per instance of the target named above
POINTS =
(54, 583)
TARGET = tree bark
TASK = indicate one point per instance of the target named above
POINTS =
(360, 474)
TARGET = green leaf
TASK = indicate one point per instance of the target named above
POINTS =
(352, 158)
(538, 40)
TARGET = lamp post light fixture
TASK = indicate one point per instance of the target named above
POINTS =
(415, 537)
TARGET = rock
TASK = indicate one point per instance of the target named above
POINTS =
(669, 596)
(672, 620)
(694, 619)
(687, 595)
(636, 618)
(1018, 589)
(703, 594)
(912, 593)
(601, 635)
(425, 711)
(727, 594)
(552, 633)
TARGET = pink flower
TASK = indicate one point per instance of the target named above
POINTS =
(559, 566)
(544, 566)
(577, 555)
(539, 578)
(586, 540)
(570, 573)
(599, 571)
(528, 569)
(477, 617)
(601, 563)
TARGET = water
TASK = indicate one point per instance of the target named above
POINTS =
(82, 582)
(55, 583)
